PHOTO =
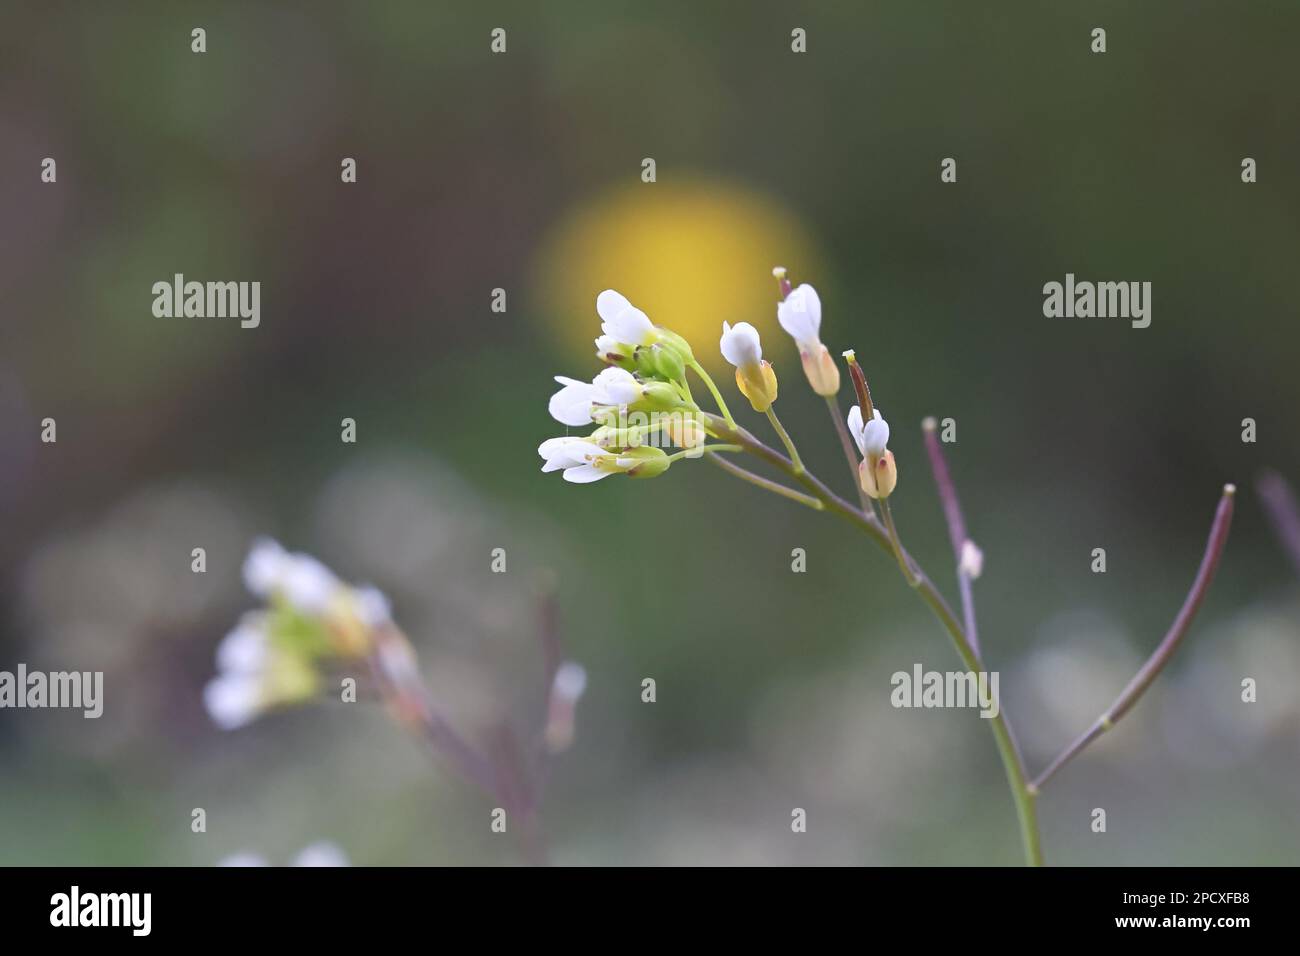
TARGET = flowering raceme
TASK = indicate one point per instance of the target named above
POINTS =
(647, 376)
(275, 655)
(641, 402)
(314, 623)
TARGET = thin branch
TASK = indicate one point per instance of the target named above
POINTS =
(956, 527)
(766, 483)
(1165, 649)
(786, 440)
(394, 668)
(1283, 512)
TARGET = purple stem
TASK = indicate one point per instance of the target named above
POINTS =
(1165, 649)
(956, 528)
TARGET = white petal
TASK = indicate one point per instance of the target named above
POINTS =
(309, 585)
(801, 314)
(264, 567)
(584, 474)
(548, 448)
(631, 325)
(855, 427)
(740, 344)
(232, 700)
(568, 452)
(972, 559)
(373, 607)
(571, 405)
(243, 858)
(616, 386)
(610, 303)
(875, 436)
(323, 853)
(606, 344)
(244, 650)
(570, 681)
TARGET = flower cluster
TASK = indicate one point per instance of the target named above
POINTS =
(639, 403)
(276, 654)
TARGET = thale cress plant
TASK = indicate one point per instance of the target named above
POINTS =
(642, 403)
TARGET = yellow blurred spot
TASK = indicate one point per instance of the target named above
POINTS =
(689, 254)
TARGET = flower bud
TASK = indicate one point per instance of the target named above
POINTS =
(570, 681)
(666, 362)
(659, 397)
(618, 354)
(757, 383)
(823, 374)
(683, 430)
(645, 461)
(878, 476)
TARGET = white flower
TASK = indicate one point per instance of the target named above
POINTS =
(972, 560)
(573, 404)
(801, 315)
(233, 699)
(871, 438)
(243, 858)
(245, 649)
(577, 456)
(616, 386)
(308, 585)
(622, 321)
(265, 566)
(740, 345)
(323, 853)
(372, 607)
(570, 681)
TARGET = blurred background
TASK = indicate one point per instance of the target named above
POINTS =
(522, 171)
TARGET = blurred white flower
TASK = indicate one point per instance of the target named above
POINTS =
(243, 858)
(322, 853)
(373, 607)
(302, 580)
(570, 681)
(233, 699)
(244, 649)
(972, 559)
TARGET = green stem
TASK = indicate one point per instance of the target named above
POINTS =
(713, 390)
(909, 573)
(768, 484)
(1012, 763)
(785, 440)
(698, 451)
